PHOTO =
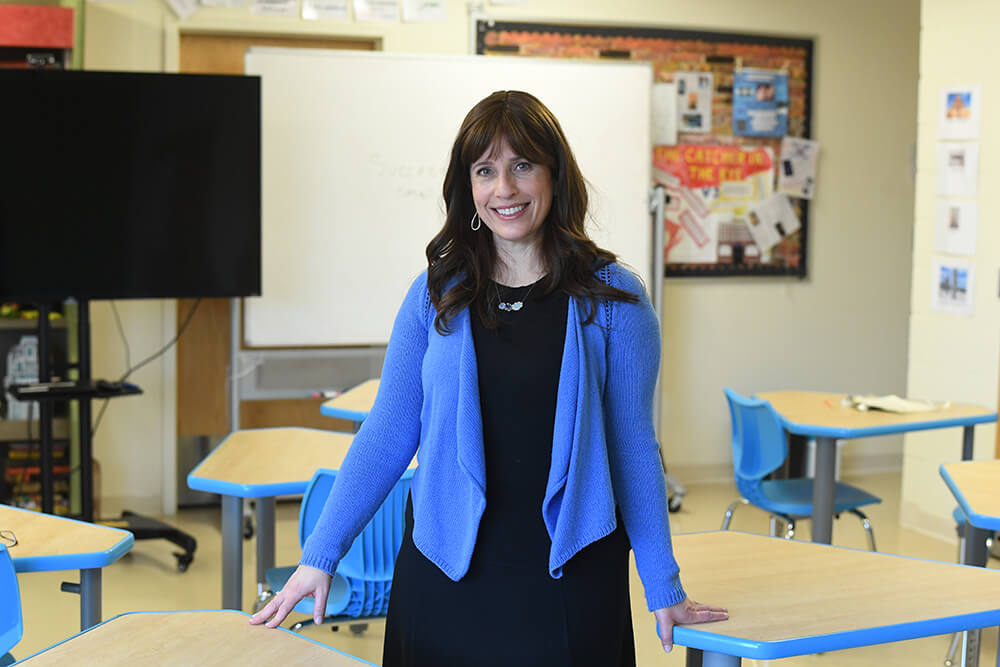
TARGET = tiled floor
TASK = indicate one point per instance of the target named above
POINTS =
(147, 579)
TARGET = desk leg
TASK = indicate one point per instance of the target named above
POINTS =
(265, 538)
(90, 598)
(968, 440)
(824, 485)
(713, 659)
(975, 553)
(232, 552)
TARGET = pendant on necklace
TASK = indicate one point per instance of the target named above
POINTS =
(515, 306)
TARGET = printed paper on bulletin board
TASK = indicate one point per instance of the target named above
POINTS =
(737, 96)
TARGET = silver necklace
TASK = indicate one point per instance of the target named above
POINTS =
(512, 306)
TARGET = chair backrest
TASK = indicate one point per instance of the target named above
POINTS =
(372, 555)
(11, 627)
(759, 443)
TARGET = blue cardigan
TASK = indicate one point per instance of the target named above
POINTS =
(604, 450)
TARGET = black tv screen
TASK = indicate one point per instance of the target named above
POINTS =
(128, 185)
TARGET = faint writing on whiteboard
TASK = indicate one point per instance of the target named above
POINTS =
(408, 180)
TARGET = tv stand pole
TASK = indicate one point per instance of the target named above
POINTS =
(85, 432)
(45, 414)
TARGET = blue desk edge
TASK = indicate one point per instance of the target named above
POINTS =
(850, 433)
(355, 416)
(76, 561)
(983, 521)
(196, 611)
(701, 637)
(296, 487)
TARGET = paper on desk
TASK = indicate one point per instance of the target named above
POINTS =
(893, 403)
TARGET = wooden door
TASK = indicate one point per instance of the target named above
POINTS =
(203, 350)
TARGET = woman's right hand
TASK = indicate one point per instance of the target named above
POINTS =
(305, 581)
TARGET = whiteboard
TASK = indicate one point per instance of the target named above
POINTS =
(354, 148)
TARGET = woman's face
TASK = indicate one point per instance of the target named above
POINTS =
(512, 195)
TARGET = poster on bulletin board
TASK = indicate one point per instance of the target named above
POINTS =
(738, 97)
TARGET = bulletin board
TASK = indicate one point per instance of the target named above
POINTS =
(726, 151)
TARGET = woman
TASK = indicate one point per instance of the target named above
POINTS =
(520, 370)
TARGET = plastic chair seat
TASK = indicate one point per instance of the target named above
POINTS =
(760, 447)
(361, 585)
(11, 627)
(337, 601)
(794, 497)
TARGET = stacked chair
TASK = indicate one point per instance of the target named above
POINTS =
(759, 448)
(360, 588)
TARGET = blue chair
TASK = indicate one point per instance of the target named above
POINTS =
(11, 627)
(759, 448)
(361, 585)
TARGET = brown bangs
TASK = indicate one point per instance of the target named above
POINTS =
(506, 121)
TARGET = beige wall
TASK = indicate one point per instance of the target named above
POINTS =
(951, 356)
(844, 328)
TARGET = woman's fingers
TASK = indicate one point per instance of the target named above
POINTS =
(319, 609)
(709, 615)
(284, 609)
(265, 612)
(686, 612)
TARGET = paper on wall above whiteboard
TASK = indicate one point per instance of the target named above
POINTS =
(960, 112)
(957, 169)
(376, 11)
(952, 286)
(183, 8)
(275, 7)
(955, 222)
(424, 11)
(336, 10)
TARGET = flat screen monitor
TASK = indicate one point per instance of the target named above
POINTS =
(122, 185)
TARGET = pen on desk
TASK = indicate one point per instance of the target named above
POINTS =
(828, 403)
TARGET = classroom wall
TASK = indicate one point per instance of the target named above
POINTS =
(844, 328)
(951, 356)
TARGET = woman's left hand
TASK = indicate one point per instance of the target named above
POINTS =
(684, 613)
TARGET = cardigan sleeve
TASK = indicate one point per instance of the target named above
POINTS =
(386, 443)
(633, 452)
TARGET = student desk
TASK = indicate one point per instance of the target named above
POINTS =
(823, 417)
(976, 487)
(261, 464)
(828, 598)
(354, 404)
(209, 638)
(46, 543)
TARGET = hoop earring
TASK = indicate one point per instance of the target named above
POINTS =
(476, 222)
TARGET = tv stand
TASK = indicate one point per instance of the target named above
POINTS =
(84, 389)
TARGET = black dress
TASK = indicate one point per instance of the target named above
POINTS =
(507, 610)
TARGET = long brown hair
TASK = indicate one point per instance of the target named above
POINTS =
(457, 252)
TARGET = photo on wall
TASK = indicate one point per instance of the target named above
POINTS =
(955, 222)
(960, 112)
(952, 288)
(957, 169)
